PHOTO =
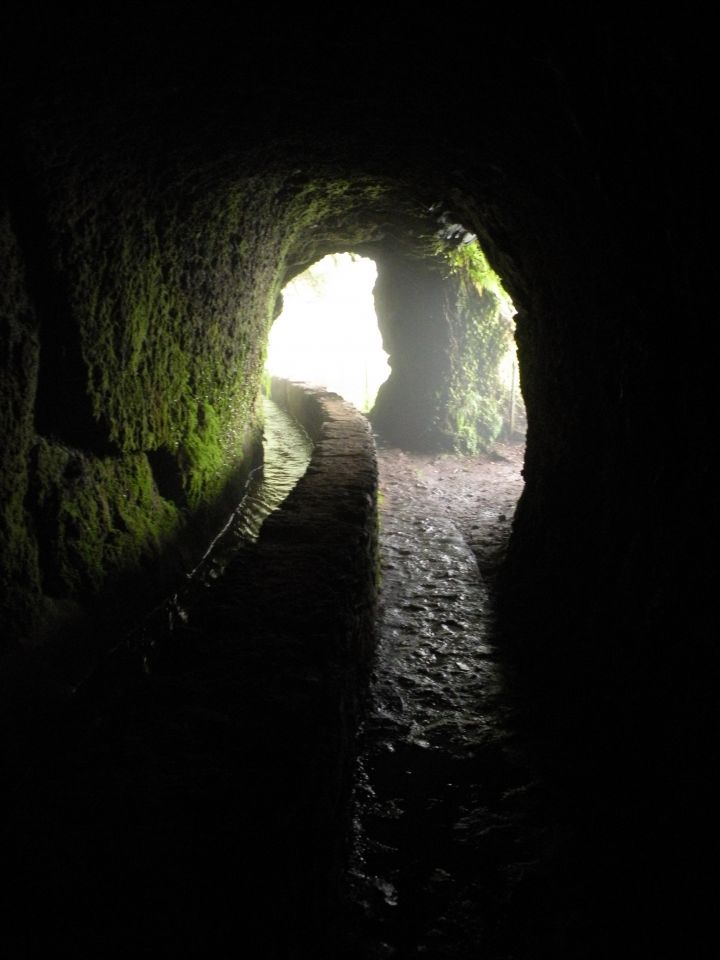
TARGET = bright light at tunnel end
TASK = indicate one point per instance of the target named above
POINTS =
(327, 333)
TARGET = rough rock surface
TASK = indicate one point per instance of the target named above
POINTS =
(194, 794)
(447, 807)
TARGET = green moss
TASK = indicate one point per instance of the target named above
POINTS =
(469, 262)
(481, 332)
(169, 299)
(99, 520)
(204, 455)
(172, 303)
(163, 291)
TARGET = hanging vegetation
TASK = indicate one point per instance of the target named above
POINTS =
(480, 318)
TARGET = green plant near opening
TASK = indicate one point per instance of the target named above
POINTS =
(481, 330)
(468, 260)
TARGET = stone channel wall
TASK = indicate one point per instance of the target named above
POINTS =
(223, 756)
(327, 528)
(289, 634)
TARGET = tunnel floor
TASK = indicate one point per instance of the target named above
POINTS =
(183, 807)
(125, 825)
(447, 808)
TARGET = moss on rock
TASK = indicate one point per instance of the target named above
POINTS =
(99, 519)
(155, 285)
(446, 323)
(152, 352)
(481, 332)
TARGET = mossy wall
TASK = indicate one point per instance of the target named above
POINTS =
(141, 309)
(442, 324)
(481, 332)
(144, 287)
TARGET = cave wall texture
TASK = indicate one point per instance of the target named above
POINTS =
(445, 333)
(164, 176)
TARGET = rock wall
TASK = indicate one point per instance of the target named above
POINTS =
(141, 362)
(223, 755)
(445, 337)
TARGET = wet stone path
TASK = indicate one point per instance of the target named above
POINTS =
(445, 861)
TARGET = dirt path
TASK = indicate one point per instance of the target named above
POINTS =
(445, 859)
(478, 494)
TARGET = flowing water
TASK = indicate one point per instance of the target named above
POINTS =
(287, 450)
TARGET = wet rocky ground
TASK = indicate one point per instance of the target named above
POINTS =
(481, 829)
(196, 798)
(478, 494)
(449, 813)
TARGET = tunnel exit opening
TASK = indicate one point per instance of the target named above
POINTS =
(327, 333)
(422, 343)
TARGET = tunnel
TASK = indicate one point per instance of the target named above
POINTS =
(166, 172)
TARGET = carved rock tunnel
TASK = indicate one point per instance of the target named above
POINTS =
(162, 183)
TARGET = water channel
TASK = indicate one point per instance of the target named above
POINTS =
(158, 777)
(444, 846)
(287, 449)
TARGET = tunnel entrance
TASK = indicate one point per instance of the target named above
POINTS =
(327, 333)
(423, 344)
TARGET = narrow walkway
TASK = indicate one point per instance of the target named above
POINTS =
(445, 861)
